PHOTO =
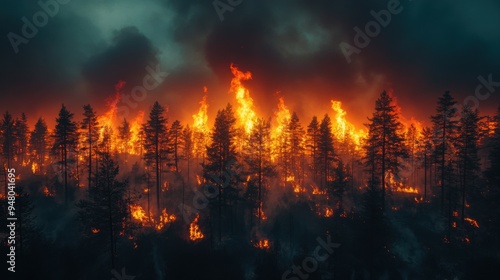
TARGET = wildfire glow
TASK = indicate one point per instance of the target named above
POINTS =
(194, 230)
(263, 244)
(140, 215)
(46, 192)
(95, 230)
(328, 212)
(342, 128)
(472, 222)
(407, 190)
(34, 167)
(245, 111)
(200, 119)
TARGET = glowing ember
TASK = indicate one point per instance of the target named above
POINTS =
(95, 230)
(46, 191)
(165, 218)
(194, 230)
(263, 244)
(317, 191)
(328, 212)
(298, 189)
(245, 112)
(472, 222)
(34, 167)
(407, 190)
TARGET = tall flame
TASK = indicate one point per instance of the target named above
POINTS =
(194, 229)
(342, 128)
(245, 111)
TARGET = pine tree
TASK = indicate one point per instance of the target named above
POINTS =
(175, 137)
(326, 153)
(296, 134)
(8, 138)
(467, 145)
(90, 126)
(103, 216)
(21, 133)
(384, 145)
(312, 144)
(260, 167)
(65, 140)
(155, 141)
(427, 145)
(187, 149)
(125, 136)
(39, 143)
(220, 166)
(444, 127)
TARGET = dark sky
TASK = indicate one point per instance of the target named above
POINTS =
(290, 46)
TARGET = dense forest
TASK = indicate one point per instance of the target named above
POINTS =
(251, 197)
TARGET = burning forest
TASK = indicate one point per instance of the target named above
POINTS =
(254, 164)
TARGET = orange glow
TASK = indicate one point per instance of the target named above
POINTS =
(200, 119)
(298, 189)
(342, 128)
(108, 120)
(138, 213)
(263, 244)
(194, 230)
(407, 190)
(34, 167)
(472, 222)
(95, 230)
(165, 218)
(46, 191)
(328, 212)
(135, 129)
(245, 111)
(317, 191)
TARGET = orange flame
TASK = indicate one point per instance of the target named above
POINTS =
(194, 230)
(263, 244)
(245, 111)
(95, 230)
(342, 128)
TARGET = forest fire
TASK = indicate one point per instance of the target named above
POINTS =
(165, 218)
(263, 244)
(472, 222)
(245, 111)
(328, 212)
(194, 230)
(139, 214)
(410, 190)
(343, 129)
(46, 192)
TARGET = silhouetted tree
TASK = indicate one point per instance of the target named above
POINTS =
(444, 127)
(8, 138)
(104, 215)
(21, 133)
(326, 153)
(156, 138)
(39, 143)
(175, 137)
(220, 165)
(467, 145)
(384, 145)
(312, 144)
(90, 126)
(65, 140)
(260, 167)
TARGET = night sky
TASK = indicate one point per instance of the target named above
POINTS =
(290, 46)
